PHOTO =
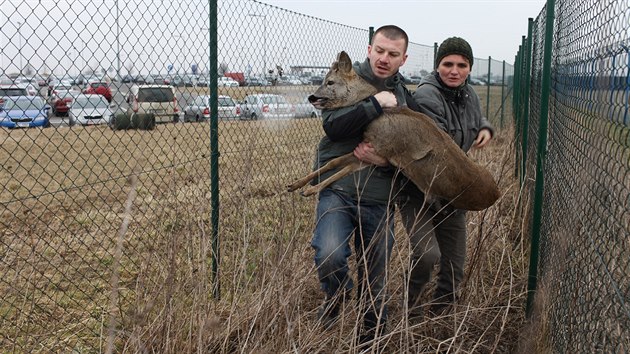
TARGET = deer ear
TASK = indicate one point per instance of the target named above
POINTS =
(343, 62)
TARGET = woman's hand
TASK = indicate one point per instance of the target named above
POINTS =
(366, 153)
(483, 138)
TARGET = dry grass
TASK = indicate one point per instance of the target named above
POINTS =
(60, 233)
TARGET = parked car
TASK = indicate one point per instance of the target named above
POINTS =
(266, 106)
(176, 80)
(78, 80)
(305, 109)
(126, 79)
(476, 81)
(99, 88)
(227, 82)
(61, 98)
(157, 99)
(90, 109)
(24, 112)
(256, 81)
(202, 81)
(16, 90)
(143, 79)
(199, 109)
(160, 79)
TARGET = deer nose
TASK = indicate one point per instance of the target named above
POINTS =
(312, 98)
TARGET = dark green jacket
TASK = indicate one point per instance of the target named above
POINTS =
(344, 129)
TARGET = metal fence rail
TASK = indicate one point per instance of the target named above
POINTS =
(584, 162)
(75, 261)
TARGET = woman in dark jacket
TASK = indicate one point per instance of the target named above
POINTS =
(438, 232)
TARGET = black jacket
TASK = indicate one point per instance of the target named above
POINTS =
(344, 129)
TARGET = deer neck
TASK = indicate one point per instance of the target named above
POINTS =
(361, 89)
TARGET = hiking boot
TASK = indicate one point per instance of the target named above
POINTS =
(328, 312)
(416, 315)
(440, 309)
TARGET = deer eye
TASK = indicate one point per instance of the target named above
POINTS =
(330, 83)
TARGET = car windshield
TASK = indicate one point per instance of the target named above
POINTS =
(274, 99)
(226, 101)
(68, 93)
(155, 94)
(90, 102)
(24, 105)
(12, 91)
(63, 88)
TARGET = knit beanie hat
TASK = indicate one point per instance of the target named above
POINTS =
(454, 45)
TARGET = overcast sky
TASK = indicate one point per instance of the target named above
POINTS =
(492, 27)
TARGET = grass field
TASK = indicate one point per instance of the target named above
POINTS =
(77, 263)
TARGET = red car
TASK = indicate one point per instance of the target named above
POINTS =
(99, 88)
(61, 100)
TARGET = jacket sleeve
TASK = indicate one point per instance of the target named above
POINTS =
(429, 102)
(350, 122)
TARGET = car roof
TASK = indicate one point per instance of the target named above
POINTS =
(88, 95)
(24, 98)
(16, 85)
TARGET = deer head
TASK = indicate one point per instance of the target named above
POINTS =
(341, 87)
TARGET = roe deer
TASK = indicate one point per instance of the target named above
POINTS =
(409, 140)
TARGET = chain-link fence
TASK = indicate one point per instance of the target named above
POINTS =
(575, 162)
(108, 233)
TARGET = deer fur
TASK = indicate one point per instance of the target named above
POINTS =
(409, 140)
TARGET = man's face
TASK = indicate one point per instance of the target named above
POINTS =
(454, 70)
(386, 55)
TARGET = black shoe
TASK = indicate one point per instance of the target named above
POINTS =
(365, 340)
(416, 315)
(328, 313)
(441, 309)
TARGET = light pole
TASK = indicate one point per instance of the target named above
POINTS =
(264, 17)
(20, 41)
(117, 44)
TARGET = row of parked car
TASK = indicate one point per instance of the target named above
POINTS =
(19, 108)
(252, 107)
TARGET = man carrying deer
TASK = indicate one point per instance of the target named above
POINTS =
(359, 206)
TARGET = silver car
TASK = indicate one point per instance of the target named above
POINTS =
(90, 109)
(305, 109)
(199, 109)
(266, 106)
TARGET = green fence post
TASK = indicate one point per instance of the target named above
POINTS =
(488, 89)
(518, 113)
(526, 103)
(435, 48)
(214, 148)
(502, 98)
(541, 157)
(370, 34)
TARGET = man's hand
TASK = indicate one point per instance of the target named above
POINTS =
(386, 99)
(366, 153)
(483, 138)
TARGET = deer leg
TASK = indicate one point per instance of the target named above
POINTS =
(340, 161)
(351, 167)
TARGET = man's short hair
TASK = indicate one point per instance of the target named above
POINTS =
(393, 32)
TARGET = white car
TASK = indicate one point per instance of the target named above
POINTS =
(266, 106)
(199, 109)
(304, 108)
(227, 81)
(90, 109)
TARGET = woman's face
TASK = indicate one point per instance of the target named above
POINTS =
(454, 70)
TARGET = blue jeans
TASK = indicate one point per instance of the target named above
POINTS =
(339, 217)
